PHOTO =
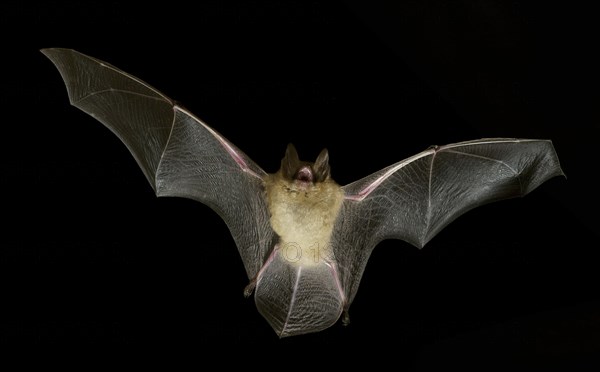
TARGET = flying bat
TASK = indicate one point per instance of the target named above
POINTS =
(304, 239)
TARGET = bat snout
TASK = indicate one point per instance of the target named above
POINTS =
(305, 174)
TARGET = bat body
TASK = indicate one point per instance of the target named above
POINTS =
(304, 239)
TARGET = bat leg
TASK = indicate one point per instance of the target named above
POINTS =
(250, 288)
(345, 318)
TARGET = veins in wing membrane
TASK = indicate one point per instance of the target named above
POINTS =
(112, 90)
(514, 171)
(428, 218)
(293, 300)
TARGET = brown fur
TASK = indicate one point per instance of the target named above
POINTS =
(303, 217)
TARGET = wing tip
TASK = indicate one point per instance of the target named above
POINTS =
(49, 52)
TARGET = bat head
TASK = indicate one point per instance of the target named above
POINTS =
(293, 169)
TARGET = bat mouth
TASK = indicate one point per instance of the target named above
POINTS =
(305, 175)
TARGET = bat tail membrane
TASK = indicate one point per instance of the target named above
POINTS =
(298, 299)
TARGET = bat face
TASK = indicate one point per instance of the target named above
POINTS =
(305, 173)
(304, 239)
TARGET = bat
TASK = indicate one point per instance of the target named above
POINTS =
(304, 240)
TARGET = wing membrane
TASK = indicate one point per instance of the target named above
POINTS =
(416, 198)
(179, 154)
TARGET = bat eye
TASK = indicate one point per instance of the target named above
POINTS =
(304, 174)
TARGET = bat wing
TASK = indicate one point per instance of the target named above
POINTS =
(414, 199)
(179, 154)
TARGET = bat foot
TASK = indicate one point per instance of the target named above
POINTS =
(346, 318)
(249, 288)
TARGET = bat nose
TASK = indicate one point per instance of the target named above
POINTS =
(298, 299)
(305, 174)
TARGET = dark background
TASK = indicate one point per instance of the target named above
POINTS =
(89, 255)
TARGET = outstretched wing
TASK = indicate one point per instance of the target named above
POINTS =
(179, 154)
(414, 199)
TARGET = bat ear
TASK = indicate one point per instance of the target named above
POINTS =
(321, 166)
(290, 162)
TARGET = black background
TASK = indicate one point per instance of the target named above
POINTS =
(89, 255)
